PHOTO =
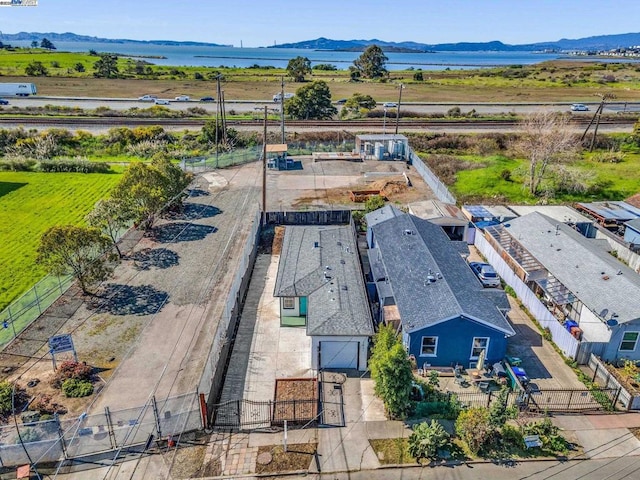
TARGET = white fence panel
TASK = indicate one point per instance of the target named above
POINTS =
(561, 337)
(629, 401)
(436, 185)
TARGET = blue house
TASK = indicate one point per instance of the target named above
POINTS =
(427, 290)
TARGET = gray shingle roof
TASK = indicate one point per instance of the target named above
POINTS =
(581, 265)
(322, 264)
(414, 251)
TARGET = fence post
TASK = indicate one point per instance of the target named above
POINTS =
(154, 405)
(61, 436)
(35, 292)
(595, 373)
(112, 435)
(488, 398)
(615, 400)
(570, 399)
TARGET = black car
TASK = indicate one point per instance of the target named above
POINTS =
(342, 101)
(207, 99)
(4, 101)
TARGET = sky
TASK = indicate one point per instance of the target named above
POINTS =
(262, 23)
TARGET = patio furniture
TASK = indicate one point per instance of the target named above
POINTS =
(483, 386)
(532, 441)
(460, 380)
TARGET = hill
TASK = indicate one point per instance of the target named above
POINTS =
(72, 37)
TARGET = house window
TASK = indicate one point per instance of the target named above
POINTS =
(479, 344)
(429, 346)
(288, 303)
(629, 341)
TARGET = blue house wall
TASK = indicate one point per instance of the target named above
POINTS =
(455, 338)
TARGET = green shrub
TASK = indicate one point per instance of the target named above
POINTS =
(426, 439)
(71, 369)
(549, 435)
(75, 388)
(27, 435)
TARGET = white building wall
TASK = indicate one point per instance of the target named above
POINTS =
(290, 312)
(593, 329)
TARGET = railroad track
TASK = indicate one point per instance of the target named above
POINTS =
(336, 124)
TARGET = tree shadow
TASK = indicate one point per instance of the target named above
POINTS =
(181, 232)
(194, 211)
(8, 187)
(129, 300)
(155, 257)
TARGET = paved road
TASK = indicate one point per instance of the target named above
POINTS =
(255, 105)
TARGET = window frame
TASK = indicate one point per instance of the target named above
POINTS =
(635, 342)
(434, 346)
(284, 303)
(485, 348)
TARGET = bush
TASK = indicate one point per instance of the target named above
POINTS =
(71, 369)
(45, 405)
(75, 388)
(28, 435)
(426, 439)
(549, 435)
(473, 427)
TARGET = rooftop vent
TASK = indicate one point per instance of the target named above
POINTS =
(316, 244)
(343, 287)
(342, 261)
(408, 232)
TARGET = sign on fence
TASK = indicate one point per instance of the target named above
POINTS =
(61, 344)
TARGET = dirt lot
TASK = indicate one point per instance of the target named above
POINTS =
(326, 184)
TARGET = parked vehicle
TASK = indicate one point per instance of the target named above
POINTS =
(486, 274)
(182, 98)
(342, 101)
(207, 99)
(161, 101)
(277, 97)
(390, 105)
(579, 107)
(4, 101)
(148, 98)
(17, 89)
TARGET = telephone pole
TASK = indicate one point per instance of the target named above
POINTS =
(282, 108)
(398, 111)
(264, 171)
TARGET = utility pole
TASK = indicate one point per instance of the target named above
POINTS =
(282, 108)
(398, 111)
(596, 118)
(264, 170)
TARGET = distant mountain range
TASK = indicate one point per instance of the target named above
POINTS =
(72, 37)
(600, 42)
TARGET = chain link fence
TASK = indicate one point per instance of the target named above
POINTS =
(56, 439)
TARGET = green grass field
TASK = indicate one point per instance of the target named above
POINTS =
(616, 181)
(29, 204)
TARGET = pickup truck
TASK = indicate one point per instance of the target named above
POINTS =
(148, 98)
(277, 97)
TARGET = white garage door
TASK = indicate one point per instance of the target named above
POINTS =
(339, 354)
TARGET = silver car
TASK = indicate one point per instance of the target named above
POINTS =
(486, 274)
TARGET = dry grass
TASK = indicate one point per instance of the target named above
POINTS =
(297, 457)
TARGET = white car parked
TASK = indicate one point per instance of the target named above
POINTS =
(148, 98)
(182, 98)
(579, 107)
(162, 101)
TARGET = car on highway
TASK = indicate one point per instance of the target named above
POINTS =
(148, 98)
(207, 99)
(161, 101)
(390, 105)
(277, 97)
(4, 101)
(182, 98)
(342, 101)
(579, 107)
(486, 274)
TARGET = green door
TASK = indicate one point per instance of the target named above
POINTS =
(303, 306)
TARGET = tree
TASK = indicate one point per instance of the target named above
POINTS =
(499, 412)
(146, 188)
(106, 67)
(418, 77)
(79, 67)
(391, 371)
(110, 216)
(357, 105)
(36, 69)
(47, 44)
(473, 427)
(371, 64)
(298, 67)
(80, 251)
(312, 101)
(34, 44)
(426, 439)
(545, 139)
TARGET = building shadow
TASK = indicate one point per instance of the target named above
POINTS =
(181, 232)
(161, 258)
(129, 300)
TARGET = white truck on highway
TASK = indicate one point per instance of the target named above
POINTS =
(277, 97)
(17, 89)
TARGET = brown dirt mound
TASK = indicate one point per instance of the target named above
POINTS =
(278, 237)
(389, 188)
